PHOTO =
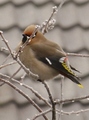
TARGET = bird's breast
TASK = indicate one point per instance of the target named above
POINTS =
(44, 71)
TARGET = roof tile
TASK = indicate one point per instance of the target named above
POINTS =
(85, 39)
(6, 94)
(14, 36)
(3, 1)
(72, 39)
(80, 1)
(9, 112)
(7, 17)
(72, 36)
(18, 2)
(40, 1)
(67, 16)
(83, 15)
(31, 13)
(55, 36)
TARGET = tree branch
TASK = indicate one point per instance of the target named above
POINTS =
(51, 99)
(77, 55)
(23, 94)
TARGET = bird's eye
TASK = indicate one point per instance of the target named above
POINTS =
(24, 39)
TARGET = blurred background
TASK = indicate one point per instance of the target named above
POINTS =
(71, 31)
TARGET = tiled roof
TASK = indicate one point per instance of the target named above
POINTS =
(71, 32)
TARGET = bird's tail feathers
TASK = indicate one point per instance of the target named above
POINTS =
(74, 69)
(75, 79)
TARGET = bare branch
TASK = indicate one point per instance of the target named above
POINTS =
(48, 22)
(61, 104)
(6, 43)
(42, 113)
(77, 55)
(5, 65)
(23, 94)
(15, 73)
(72, 112)
(61, 4)
(6, 59)
(72, 99)
(51, 99)
(76, 112)
(28, 87)
(23, 77)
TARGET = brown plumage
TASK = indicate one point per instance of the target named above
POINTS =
(45, 58)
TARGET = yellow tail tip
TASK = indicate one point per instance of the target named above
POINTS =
(81, 86)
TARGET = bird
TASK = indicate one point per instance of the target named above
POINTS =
(44, 57)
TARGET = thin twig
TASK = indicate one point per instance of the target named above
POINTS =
(61, 4)
(6, 59)
(42, 113)
(5, 65)
(61, 104)
(6, 42)
(76, 112)
(23, 77)
(47, 22)
(40, 97)
(23, 94)
(73, 112)
(77, 55)
(51, 99)
(15, 73)
(72, 99)
(28, 87)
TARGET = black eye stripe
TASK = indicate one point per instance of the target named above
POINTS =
(25, 38)
(36, 33)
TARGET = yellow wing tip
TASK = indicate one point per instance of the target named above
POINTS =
(81, 86)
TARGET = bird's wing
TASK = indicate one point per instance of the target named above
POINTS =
(61, 66)
(53, 56)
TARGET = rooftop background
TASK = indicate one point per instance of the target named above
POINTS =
(71, 32)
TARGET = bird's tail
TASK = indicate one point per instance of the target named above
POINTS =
(75, 79)
(66, 70)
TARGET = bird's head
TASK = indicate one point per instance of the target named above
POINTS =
(29, 31)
